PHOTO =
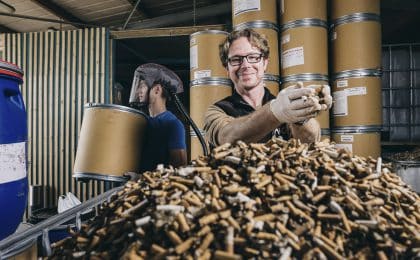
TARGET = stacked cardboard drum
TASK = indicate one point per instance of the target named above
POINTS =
(304, 47)
(356, 82)
(208, 79)
(261, 16)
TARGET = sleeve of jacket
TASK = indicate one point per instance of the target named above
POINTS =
(215, 119)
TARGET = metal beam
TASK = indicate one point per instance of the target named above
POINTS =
(140, 9)
(45, 19)
(171, 19)
(60, 12)
(163, 32)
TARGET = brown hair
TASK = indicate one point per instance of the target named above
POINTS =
(256, 40)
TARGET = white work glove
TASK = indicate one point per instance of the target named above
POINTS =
(326, 92)
(293, 105)
(325, 95)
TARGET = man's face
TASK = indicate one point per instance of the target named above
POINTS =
(246, 76)
(142, 92)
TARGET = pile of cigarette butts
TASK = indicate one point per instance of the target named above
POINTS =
(280, 199)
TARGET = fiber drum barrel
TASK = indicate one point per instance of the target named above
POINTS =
(291, 10)
(110, 142)
(357, 96)
(272, 82)
(254, 10)
(203, 93)
(13, 138)
(356, 42)
(270, 31)
(340, 8)
(362, 141)
(304, 47)
(204, 55)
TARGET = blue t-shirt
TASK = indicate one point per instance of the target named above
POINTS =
(164, 132)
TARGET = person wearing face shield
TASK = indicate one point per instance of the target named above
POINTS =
(252, 113)
(164, 143)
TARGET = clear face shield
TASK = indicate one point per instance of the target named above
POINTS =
(139, 91)
(144, 78)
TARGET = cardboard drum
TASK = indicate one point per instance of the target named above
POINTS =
(254, 10)
(304, 48)
(204, 55)
(357, 100)
(291, 10)
(110, 142)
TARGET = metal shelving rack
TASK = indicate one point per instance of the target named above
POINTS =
(401, 93)
(18, 242)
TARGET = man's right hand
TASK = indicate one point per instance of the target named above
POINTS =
(295, 104)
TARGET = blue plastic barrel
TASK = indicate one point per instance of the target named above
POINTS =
(13, 142)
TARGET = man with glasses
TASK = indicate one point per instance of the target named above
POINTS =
(252, 113)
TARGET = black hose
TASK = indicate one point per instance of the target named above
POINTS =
(181, 109)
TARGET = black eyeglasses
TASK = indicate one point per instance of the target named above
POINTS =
(251, 58)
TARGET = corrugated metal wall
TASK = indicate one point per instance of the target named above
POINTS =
(63, 71)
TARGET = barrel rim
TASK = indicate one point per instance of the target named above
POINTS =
(354, 18)
(271, 77)
(211, 81)
(305, 77)
(208, 32)
(259, 24)
(305, 22)
(357, 73)
(114, 106)
(98, 176)
(361, 129)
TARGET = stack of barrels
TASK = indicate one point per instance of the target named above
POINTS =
(261, 16)
(356, 83)
(304, 47)
(209, 80)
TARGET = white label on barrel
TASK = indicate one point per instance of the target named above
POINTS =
(243, 6)
(202, 74)
(342, 83)
(357, 91)
(347, 138)
(292, 57)
(194, 57)
(348, 147)
(285, 39)
(340, 107)
(12, 162)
